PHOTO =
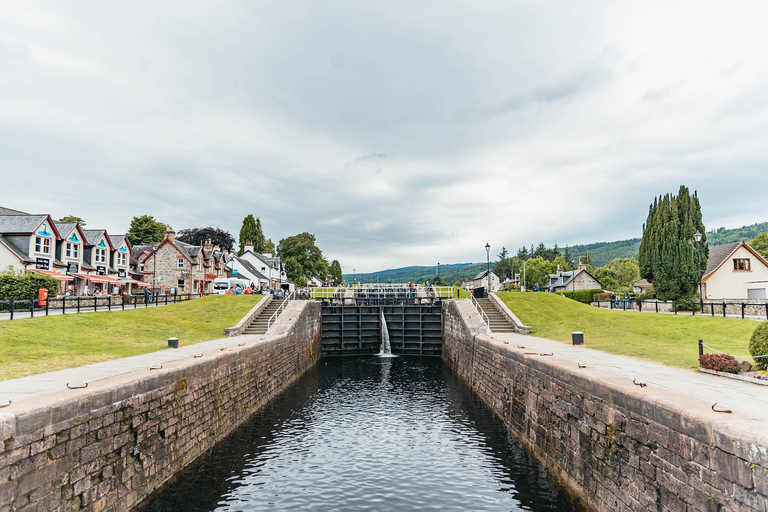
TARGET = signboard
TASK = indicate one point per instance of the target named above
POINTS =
(121, 272)
(42, 264)
(234, 271)
(101, 270)
(73, 267)
(211, 276)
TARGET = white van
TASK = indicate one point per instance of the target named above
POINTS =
(221, 285)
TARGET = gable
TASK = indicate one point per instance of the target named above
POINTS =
(739, 250)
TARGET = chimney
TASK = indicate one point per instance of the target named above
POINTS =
(216, 248)
(267, 253)
(208, 245)
(582, 266)
(559, 270)
(248, 247)
(169, 233)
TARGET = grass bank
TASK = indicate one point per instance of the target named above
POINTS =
(44, 344)
(667, 339)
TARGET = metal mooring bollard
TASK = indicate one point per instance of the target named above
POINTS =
(577, 337)
(173, 342)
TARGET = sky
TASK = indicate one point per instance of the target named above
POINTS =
(398, 133)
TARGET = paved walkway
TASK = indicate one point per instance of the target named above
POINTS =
(727, 393)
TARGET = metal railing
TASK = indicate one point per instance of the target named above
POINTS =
(483, 316)
(279, 312)
(78, 304)
(380, 291)
(709, 308)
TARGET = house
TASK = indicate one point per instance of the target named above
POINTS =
(572, 280)
(481, 279)
(173, 265)
(642, 286)
(243, 268)
(28, 242)
(735, 271)
(271, 268)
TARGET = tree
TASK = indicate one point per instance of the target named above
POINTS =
(522, 253)
(198, 236)
(568, 257)
(145, 230)
(537, 270)
(260, 244)
(72, 218)
(335, 272)
(668, 256)
(760, 244)
(302, 258)
(248, 234)
(503, 268)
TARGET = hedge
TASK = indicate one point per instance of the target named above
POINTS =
(26, 285)
(582, 295)
(758, 346)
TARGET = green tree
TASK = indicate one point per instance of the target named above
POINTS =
(302, 258)
(503, 267)
(537, 270)
(72, 218)
(145, 230)
(760, 244)
(260, 244)
(335, 272)
(248, 234)
(668, 256)
(198, 236)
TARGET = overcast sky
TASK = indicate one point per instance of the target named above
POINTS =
(398, 132)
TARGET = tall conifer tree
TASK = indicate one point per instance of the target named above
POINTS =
(668, 256)
(247, 233)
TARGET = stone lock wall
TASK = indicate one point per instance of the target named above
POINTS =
(615, 446)
(109, 446)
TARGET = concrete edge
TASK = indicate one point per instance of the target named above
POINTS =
(246, 320)
(504, 310)
(51, 410)
(734, 376)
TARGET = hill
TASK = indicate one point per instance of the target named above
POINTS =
(449, 273)
(603, 252)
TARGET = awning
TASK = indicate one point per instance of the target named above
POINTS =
(134, 282)
(98, 279)
(60, 277)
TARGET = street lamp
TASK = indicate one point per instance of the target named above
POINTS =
(697, 236)
(280, 263)
(488, 270)
(438, 272)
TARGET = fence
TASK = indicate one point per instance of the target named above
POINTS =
(710, 308)
(78, 304)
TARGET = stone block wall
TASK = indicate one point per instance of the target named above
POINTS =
(109, 446)
(613, 445)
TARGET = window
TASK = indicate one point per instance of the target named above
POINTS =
(181, 284)
(73, 250)
(121, 259)
(101, 255)
(141, 267)
(42, 245)
(741, 264)
(180, 263)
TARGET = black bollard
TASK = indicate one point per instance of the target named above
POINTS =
(173, 342)
(577, 337)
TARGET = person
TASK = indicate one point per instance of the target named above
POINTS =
(613, 299)
(537, 288)
(85, 291)
(632, 298)
(147, 295)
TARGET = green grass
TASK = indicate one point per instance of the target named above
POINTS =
(44, 344)
(667, 339)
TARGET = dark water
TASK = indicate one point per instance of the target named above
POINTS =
(365, 434)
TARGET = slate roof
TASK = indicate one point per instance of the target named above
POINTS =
(481, 275)
(116, 240)
(563, 279)
(21, 223)
(64, 227)
(92, 235)
(252, 269)
(15, 250)
(718, 254)
(11, 211)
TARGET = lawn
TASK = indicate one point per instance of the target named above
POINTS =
(667, 339)
(44, 344)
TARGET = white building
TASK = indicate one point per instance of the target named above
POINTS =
(735, 271)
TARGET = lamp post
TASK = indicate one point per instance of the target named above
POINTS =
(488, 270)
(438, 272)
(280, 263)
(697, 236)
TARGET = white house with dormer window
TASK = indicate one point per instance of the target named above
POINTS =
(735, 271)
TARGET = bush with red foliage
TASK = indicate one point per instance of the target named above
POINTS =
(719, 362)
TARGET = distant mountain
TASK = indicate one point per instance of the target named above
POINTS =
(448, 273)
(603, 252)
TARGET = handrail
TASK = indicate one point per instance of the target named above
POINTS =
(278, 313)
(483, 316)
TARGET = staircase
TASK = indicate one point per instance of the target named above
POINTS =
(499, 322)
(259, 324)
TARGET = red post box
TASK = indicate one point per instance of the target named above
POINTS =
(42, 297)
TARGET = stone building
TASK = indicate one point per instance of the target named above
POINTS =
(572, 280)
(173, 266)
(481, 279)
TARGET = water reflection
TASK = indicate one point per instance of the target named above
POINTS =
(368, 434)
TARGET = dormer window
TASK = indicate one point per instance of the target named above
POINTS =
(73, 250)
(42, 245)
(121, 258)
(101, 255)
(180, 263)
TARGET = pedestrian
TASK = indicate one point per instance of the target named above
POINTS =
(613, 299)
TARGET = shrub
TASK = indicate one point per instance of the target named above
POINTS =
(758, 345)
(719, 362)
(24, 285)
(603, 296)
(582, 295)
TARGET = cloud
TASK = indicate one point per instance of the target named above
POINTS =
(399, 132)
